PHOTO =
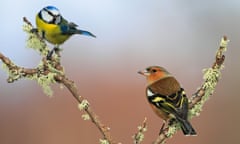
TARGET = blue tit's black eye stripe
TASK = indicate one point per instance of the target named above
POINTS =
(49, 12)
(54, 20)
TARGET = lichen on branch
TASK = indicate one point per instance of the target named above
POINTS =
(50, 72)
(211, 77)
(139, 136)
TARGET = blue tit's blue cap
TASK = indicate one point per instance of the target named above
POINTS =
(51, 8)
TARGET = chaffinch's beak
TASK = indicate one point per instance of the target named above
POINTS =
(144, 72)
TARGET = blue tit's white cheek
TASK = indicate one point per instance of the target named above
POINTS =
(46, 16)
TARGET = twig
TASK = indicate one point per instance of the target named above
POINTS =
(73, 89)
(48, 72)
(197, 100)
(139, 136)
(51, 71)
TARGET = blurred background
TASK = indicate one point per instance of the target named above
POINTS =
(182, 36)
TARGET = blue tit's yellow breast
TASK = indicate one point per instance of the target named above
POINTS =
(52, 32)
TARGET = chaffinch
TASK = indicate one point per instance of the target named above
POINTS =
(166, 97)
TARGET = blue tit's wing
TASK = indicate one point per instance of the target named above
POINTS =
(71, 28)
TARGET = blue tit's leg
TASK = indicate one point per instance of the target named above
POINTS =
(34, 30)
(56, 49)
(50, 53)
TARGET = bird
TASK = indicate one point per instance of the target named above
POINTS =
(167, 98)
(54, 28)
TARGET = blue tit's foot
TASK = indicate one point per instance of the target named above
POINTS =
(34, 30)
(56, 50)
(50, 53)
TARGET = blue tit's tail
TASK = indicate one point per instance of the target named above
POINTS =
(83, 32)
(186, 127)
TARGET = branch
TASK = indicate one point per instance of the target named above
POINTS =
(82, 101)
(48, 72)
(211, 77)
(139, 136)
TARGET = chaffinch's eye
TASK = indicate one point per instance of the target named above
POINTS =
(154, 70)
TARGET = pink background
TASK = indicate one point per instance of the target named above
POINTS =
(131, 35)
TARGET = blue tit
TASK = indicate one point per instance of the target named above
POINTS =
(54, 28)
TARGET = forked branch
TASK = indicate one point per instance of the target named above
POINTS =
(211, 77)
(48, 72)
(51, 71)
